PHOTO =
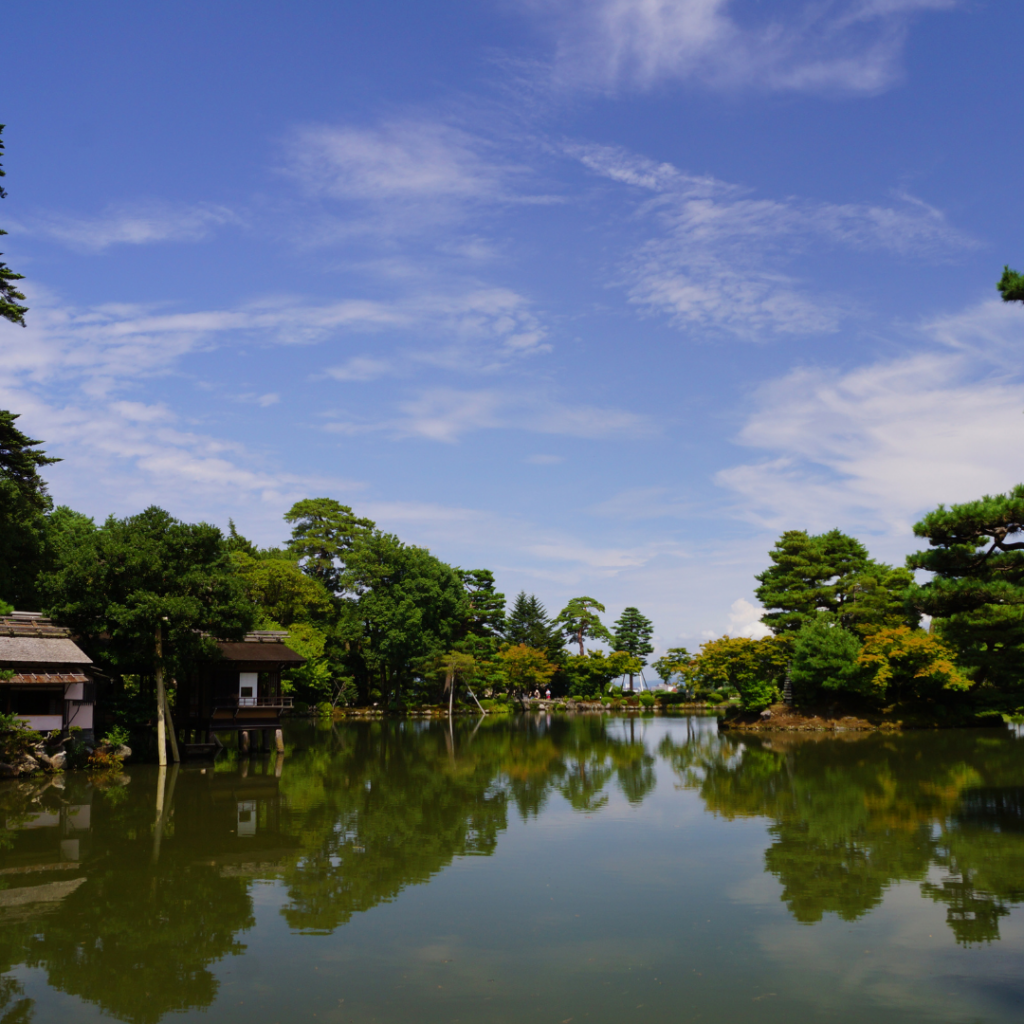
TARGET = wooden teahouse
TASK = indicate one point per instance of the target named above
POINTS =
(238, 692)
(50, 687)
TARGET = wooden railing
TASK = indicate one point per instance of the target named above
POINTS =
(253, 702)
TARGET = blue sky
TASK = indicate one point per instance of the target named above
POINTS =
(600, 294)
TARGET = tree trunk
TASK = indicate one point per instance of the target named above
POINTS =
(161, 699)
(451, 693)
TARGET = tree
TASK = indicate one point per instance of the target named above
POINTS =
(911, 662)
(145, 593)
(528, 624)
(754, 668)
(452, 666)
(977, 591)
(527, 668)
(825, 659)
(809, 574)
(578, 619)
(9, 295)
(672, 662)
(876, 600)
(633, 632)
(1011, 285)
(487, 605)
(409, 606)
(324, 532)
(589, 676)
(24, 503)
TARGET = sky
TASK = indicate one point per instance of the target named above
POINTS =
(602, 295)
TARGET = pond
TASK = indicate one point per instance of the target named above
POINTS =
(550, 869)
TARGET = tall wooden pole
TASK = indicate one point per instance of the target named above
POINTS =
(161, 699)
(172, 732)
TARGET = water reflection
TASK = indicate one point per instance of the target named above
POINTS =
(126, 892)
(154, 871)
(853, 815)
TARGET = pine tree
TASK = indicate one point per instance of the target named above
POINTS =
(528, 623)
(809, 574)
(632, 634)
(9, 295)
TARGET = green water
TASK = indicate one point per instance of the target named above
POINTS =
(579, 869)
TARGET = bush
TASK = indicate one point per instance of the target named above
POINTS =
(300, 707)
(117, 736)
(825, 661)
(713, 698)
(648, 699)
(325, 709)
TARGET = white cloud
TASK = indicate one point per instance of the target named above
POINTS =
(846, 45)
(541, 459)
(360, 368)
(718, 254)
(446, 414)
(745, 620)
(131, 224)
(872, 448)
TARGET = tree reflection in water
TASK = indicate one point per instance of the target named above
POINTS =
(127, 894)
(156, 888)
(851, 815)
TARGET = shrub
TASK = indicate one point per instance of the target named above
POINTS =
(325, 709)
(647, 699)
(117, 736)
(825, 661)
(300, 707)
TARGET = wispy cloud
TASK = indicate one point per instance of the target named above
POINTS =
(872, 448)
(851, 46)
(447, 414)
(131, 224)
(400, 177)
(718, 255)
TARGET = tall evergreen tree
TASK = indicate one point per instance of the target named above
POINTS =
(324, 532)
(977, 591)
(809, 574)
(632, 634)
(579, 619)
(528, 623)
(1011, 286)
(24, 503)
(9, 295)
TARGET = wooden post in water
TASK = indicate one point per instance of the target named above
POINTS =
(173, 732)
(279, 740)
(243, 739)
(161, 699)
(278, 766)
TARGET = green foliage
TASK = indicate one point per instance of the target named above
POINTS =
(825, 661)
(24, 503)
(486, 606)
(117, 736)
(528, 623)
(977, 591)
(579, 620)
(5, 608)
(588, 677)
(323, 534)
(283, 592)
(115, 584)
(909, 663)
(10, 297)
(410, 606)
(808, 574)
(1011, 285)
(632, 636)
(675, 661)
(526, 668)
(753, 668)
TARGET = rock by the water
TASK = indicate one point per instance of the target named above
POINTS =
(8, 771)
(57, 761)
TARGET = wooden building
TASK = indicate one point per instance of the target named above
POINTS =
(240, 691)
(50, 687)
